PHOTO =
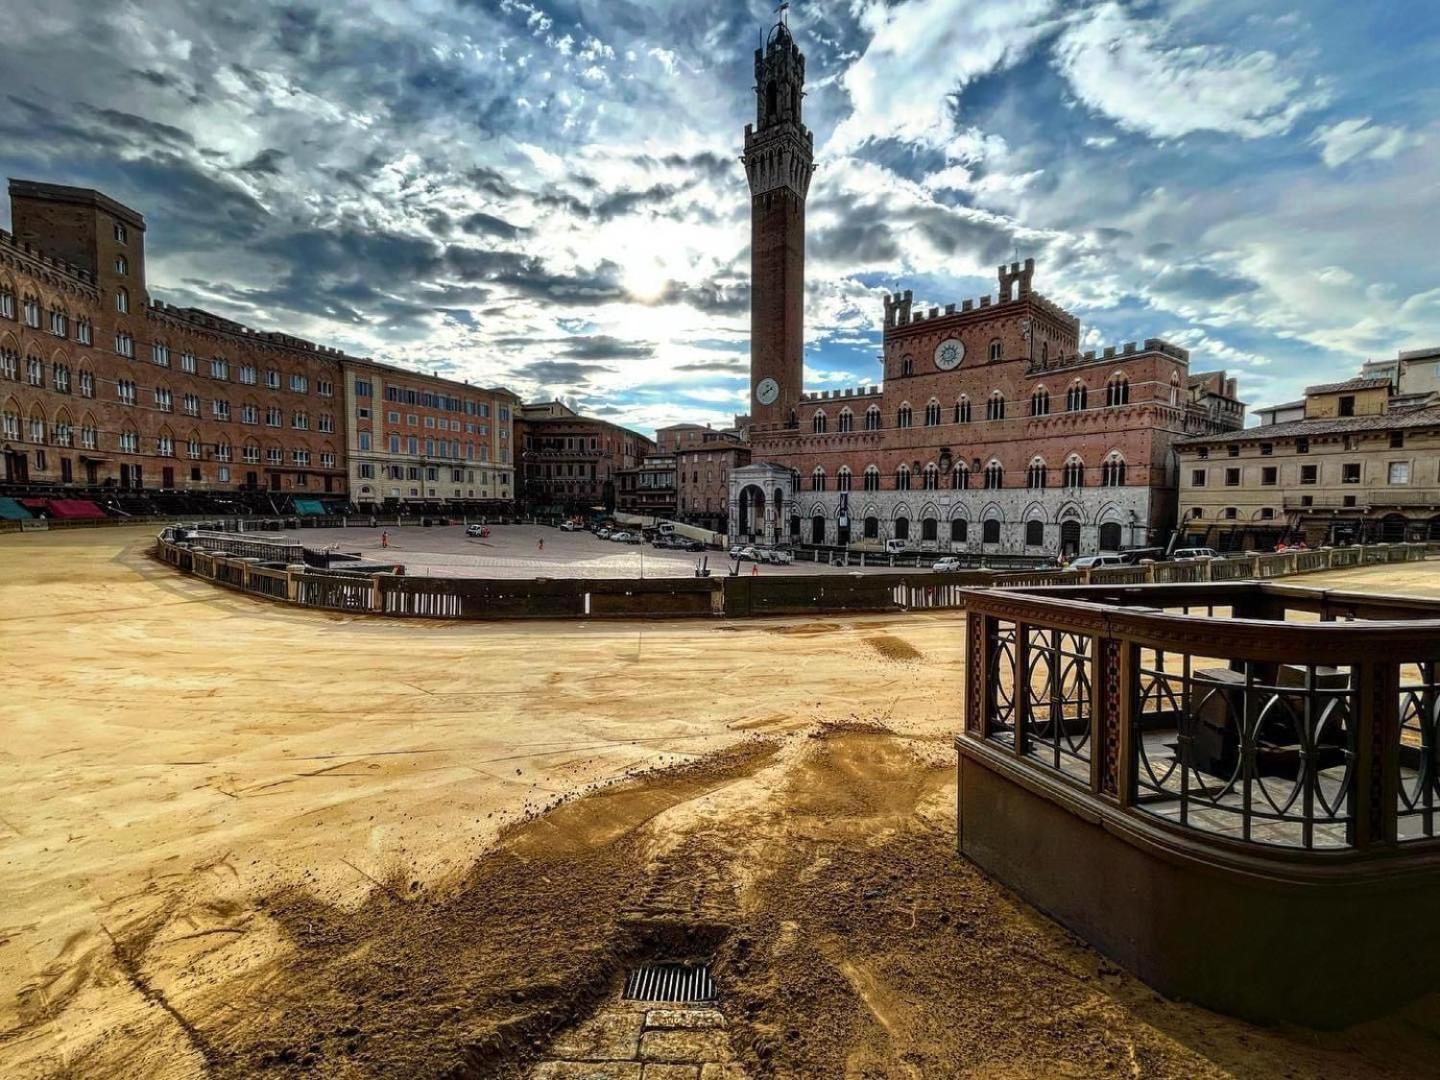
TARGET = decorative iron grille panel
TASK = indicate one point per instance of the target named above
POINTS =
(1419, 789)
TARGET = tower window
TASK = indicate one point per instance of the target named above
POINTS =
(121, 236)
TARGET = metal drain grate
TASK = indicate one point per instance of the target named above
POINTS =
(670, 982)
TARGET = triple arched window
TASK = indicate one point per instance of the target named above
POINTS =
(872, 478)
(1076, 396)
(872, 418)
(1036, 475)
(1040, 402)
(902, 478)
(819, 423)
(845, 422)
(994, 476)
(1117, 391)
(995, 407)
(1074, 474)
(960, 477)
(962, 410)
(1112, 472)
(817, 479)
(930, 480)
(904, 416)
(932, 413)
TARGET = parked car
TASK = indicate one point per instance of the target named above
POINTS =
(603, 534)
(687, 545)
(741, 552)
(569, 526)
(634, 538)
(619, 536)
(947, 565)
(663, 542)
(774, 556)
(1090, 562)
(481, 531)
(1196, 553)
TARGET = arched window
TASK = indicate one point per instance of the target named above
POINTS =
(1036, 475)
(872, 478)
(995, 407)
(902, 528)
(1174, 388)
(904, 416)
(122, 300)
(842, 479)
(930, 479)
(819, 422)
(817, 529)
(995, 349)
(37, 425)
(872, 418)
(1117, 391)
(60, 431)
(872, 528)
(1075, 396)
(929, 530)
(122, 264)
(932, 413)
(845, 422)
(1040, 402)
(1044, 352)
(1112, 472)
(1034, 533)
(907, 365)
(960, 478)
(962, 410)
(902, 478)
(1110, 536)
(994, 476)
(1074, 473)
(959, 528)
(990, 531)
(817, 479)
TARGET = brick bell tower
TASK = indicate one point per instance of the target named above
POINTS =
(778, 159)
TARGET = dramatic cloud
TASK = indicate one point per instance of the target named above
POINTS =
(1135, 72)
(1354, 139)
(548, 195)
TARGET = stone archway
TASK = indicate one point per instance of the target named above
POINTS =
(1070, 538)
(750, 512)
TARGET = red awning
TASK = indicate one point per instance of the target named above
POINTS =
(75, 508)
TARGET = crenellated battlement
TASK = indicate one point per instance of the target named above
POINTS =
(855, 393)
(1015, 288)
(44, 261)
(198, 318)
(1111, 353)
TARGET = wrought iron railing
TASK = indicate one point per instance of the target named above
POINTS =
(1252, 714)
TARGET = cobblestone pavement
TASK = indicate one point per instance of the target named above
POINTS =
(629, 1040)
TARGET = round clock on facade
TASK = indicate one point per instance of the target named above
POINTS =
(767, 391)
(949, 354)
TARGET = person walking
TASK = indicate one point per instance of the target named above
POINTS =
(540, 545)
(384, 539)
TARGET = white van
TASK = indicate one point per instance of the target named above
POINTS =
(895, 547)
(1089, 562)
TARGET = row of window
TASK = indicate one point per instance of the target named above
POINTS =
(441, 448)
(60, 323)
(1110, 533)
(1351, 472)
(1302, 445)
(1112, 474)
(431, 399)
(414, 472)
(62, 433)
(1117, 392)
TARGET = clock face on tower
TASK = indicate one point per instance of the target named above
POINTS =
(767, 391)
(948, 354)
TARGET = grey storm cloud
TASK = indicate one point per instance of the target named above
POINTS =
(561, 372)
(1202, 283)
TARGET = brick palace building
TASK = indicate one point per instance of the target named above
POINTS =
(571, 463)
(992, 431)
(704, 459)
(108, 395)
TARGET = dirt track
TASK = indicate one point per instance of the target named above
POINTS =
(241, 839)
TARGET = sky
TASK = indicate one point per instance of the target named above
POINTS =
(547, 194)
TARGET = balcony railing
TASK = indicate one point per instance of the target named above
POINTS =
(1248, 715)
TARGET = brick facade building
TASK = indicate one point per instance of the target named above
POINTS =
(421, 441)
(140, 405)
(570, 463)
(704, 460)
(993, 432)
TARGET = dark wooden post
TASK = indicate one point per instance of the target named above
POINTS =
(1374, 797)
(1021, 688)
(978, 630)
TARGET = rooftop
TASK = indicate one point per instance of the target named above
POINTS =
(1359, 383)
(34, 189)
(1339, 425)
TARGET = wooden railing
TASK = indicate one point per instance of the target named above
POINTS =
(276, 570)
(1204, 708)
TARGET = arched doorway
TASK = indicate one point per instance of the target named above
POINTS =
(872, 528)
(1034, 533)
(959, 529)
(817, 529)
(1069, 538)
(750, 510)
(902, 528)
(1110, 536)
(929, 530)
(1392, 528)
(990, 531)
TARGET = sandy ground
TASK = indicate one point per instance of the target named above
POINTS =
(516, 551)
(239, 839)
